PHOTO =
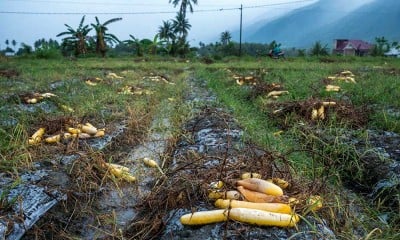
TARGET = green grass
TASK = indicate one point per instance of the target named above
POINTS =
(321, 156)
(318, 156)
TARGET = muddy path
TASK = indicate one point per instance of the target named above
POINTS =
(68, 196)
(212, 150)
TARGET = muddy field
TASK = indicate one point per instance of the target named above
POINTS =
(71, 195)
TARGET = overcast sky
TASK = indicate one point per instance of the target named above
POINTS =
(30, 20)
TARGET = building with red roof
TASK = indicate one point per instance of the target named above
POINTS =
(349, 47)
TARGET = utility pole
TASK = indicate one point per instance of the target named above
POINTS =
(240, 38)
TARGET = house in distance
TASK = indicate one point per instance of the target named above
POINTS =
(348, 47)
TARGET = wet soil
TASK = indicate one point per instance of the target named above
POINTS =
(211, 150)
(379, 152)
(81, 200)
(9, 73)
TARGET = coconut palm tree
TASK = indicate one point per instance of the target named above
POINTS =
(226, 37)
(184, 4)
(14, 43)
(77, 38)
(102, 36)
(181, 26)
(166, 31)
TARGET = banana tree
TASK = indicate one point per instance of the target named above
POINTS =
(102, 36)
(136, 44)
(77, 38)
(157, 44)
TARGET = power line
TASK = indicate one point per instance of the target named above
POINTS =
(85, 3)
(147, 12)
(85, 13)
(278, 4)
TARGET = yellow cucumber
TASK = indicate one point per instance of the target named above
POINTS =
(271, 207)
(53, 139)
(321, 112)
(261, 186)
(150, 162)
(224, 195)
(120, 172)
(253, 196)
(276, 93)
(83, 135)
(89, 129)
(38, 134)
(73, 130)
(263, 218)
(247, 175)
(282, 183)
(100, 133)
(204, 217)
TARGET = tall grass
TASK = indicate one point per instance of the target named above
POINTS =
(316, 151)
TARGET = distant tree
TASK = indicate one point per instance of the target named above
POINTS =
(181, 28)
(225, 37)
(102, 37)
(76, 40)
(46, 44)
(24, 50)
(46, 48)
(381, 46)
(7, 42)
(8, 50)
(157, 45)
(14, 43)
(166, 31)
(319, 50)
(135, 44)
(184, 4)
(301, 52)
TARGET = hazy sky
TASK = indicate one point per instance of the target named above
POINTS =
(34, 19)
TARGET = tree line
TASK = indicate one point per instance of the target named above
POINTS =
(170, 39)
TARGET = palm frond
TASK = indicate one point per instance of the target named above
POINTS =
(97, 20)
(112, 37)
(81, 23)
(63, 33)
(111, 21)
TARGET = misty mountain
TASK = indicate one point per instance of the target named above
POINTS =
(327, 20)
